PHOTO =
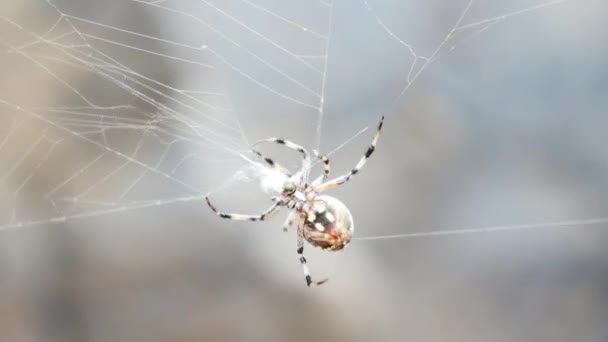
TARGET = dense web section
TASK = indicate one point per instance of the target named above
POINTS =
(114, 134)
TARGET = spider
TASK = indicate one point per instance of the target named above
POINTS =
(323, 221)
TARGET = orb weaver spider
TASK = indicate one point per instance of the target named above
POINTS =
(324, 221)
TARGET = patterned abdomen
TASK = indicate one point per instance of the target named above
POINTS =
(329, 224)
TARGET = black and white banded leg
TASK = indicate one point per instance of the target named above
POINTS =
(287, 143)
(300, 250)
(293, 146)
(345, 178)
(271, 163)
(326, 169)
(244, 217)
(291, 219)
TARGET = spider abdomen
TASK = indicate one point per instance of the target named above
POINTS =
(328, 224)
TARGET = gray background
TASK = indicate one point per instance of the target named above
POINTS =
(508, 127)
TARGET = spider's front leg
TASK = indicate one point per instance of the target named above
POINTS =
(322, 178)
(271, 163)
(345, 178)
(300, 251)
(245, 217)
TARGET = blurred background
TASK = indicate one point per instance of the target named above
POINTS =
(118, 116)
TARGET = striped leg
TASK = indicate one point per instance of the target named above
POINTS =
(242, 217)
(291, 218)
(272, 163)
(292, 146)
(345, 178)
(300, 251)
(322, 178)
(287, 143)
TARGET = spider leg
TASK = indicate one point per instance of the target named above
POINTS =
(300, 251)
(244, 217)
(322, 178)
(293, 146)
(344, 178)
(272, 163)
(289, 144)
(289, 221)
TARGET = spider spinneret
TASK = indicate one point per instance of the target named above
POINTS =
(324, 221)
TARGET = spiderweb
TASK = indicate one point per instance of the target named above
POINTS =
(102, 113)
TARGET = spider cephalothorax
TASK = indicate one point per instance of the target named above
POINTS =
(322, 220)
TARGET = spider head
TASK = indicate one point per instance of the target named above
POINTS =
(289, 188)
(329, 224)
